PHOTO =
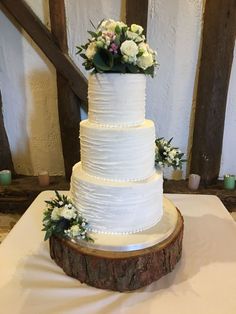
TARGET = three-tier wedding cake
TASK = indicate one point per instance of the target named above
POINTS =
(116, 231)
(116, 186)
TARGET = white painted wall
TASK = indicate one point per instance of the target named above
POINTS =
(27, 79)
(28, 86)
(228, 158)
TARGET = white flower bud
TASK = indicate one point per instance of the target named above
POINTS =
(136, 29)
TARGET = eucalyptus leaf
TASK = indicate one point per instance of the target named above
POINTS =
(93, 34)
(132, 68)
(103, 60)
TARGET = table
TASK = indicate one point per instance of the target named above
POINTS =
(204, 281)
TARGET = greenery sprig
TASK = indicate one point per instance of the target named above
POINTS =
(114, 47)
(61, 218)
(167, 155)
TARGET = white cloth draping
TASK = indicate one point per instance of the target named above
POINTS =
(204, 281)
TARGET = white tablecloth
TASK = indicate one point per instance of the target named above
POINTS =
(203, 282)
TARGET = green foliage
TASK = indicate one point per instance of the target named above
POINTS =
(59, 218)
(103, 53)
(167, 155)
(103, 60)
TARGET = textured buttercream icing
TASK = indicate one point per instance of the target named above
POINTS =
(121, 153)
(116, 186)
(116, 99)
(117, 207)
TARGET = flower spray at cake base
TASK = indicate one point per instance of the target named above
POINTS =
(61, 218)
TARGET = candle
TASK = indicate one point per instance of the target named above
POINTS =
(5, 177)
(229, 182)
(193, 182)
(43, 178)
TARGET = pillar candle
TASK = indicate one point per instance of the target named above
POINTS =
(5, 177)
(229, 182)
(43, 178)
(193, 182)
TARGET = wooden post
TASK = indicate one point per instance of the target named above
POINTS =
(5, 153)
(44, 39)
(137, 13)
(216, 59)
(68, 103)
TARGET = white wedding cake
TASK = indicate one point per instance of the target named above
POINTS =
(116, 186)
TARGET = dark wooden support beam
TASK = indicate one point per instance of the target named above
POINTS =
(43, 38)
(5, 153)
(218, 42)
(68, 102)
(137, 13)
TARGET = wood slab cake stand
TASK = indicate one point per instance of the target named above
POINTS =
(119, 271)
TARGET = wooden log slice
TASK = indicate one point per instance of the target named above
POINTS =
(118, 271)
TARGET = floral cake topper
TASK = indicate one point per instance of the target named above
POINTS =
(118, 48)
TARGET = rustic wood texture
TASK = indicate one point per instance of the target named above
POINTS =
(44, 39)
(17, 197)
(137, 13)
(5, 152)
(118, 271)
(68, 102)
(69, 117)
(216, 59)
(58, 23)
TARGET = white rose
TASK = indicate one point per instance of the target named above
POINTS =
(68, 213)
(121, 24)
(56, 213)
(172, 153)
(129, 48)
(145, 61)
(74, 230)
(136, 29)
(91, 50)
(132, 35)
(108, 25)
(143, 47)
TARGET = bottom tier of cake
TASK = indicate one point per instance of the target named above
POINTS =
(113, 207)
(136, 241)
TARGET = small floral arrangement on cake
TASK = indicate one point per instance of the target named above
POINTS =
(61, 218)
(116, 47)
(167, 155)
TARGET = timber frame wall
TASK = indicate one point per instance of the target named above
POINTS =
(219, 32)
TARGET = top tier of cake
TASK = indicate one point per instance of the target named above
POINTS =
(117, 99)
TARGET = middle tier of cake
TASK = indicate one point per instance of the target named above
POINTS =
(117, 207)
(120, 153)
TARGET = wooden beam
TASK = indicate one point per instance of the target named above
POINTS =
(5, 153)
(218, 42)
(58, 23)
(137, 13)
(43, 38)
(68, 103)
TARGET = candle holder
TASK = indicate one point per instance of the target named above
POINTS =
(43, 178)
(194, 181)
(229, 182)
(5, 177)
